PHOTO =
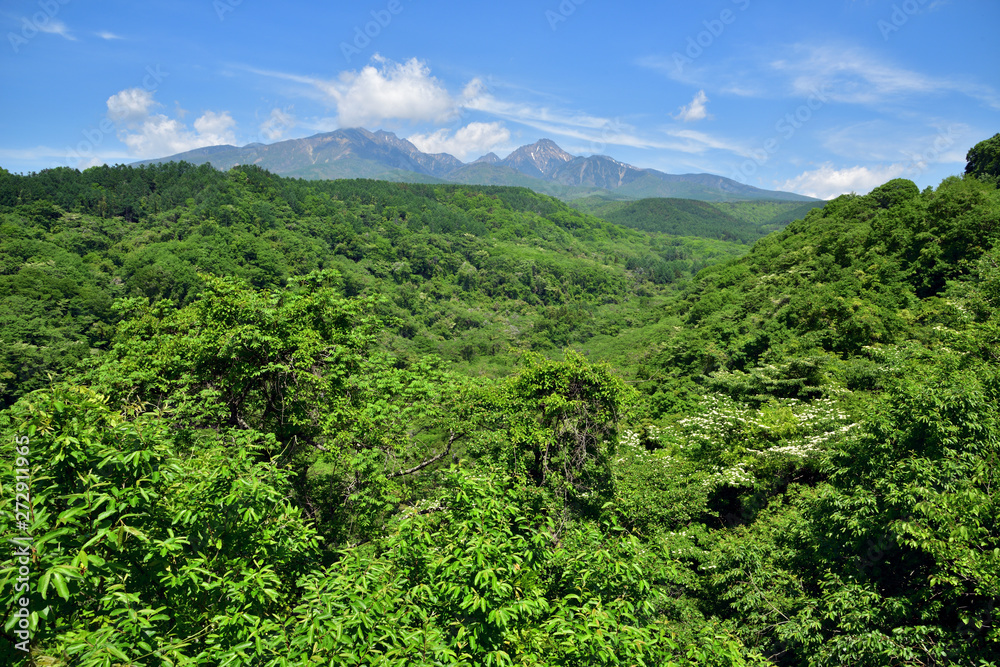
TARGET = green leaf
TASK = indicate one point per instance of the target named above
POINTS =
(43, 584)
(60, 585)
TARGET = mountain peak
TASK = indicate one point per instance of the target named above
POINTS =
(489, 158)
(549, 144)
(538, 159)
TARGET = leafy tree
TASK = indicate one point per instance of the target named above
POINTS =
(893, 193)
(139, 555)
(556, 423)
(239, 358)
(983, 159)
(298, 365)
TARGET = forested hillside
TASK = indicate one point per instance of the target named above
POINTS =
(741, 222)
(272, 422)
(468, 273)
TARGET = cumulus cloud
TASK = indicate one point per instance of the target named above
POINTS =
(390, 90)
(696, 110)
(130, 106)
(215, 128)
(149, 134)
(828, 182)
(473, 139)
(159, 136)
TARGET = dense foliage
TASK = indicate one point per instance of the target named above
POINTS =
(470, 274)
(274, 423)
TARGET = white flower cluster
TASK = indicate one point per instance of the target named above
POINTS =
(719, 422)
(628, 441)
(789, 429)
(631, 442)
(735, 475)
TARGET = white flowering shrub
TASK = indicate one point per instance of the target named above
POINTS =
(741, 442)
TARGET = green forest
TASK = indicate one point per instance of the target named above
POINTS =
(255, 420)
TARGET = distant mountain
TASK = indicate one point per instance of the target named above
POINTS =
(351, 153)
(597, 171)
(542, 166)
(539, 160)
(489, 158)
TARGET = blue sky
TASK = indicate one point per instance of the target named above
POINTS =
(817, 98)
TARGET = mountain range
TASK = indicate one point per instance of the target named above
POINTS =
(542, 166)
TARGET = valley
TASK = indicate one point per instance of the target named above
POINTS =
(284, 421)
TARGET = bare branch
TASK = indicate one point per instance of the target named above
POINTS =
(452, 437)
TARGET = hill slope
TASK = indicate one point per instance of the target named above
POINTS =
(744, 222)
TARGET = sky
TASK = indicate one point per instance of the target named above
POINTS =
(820, 98)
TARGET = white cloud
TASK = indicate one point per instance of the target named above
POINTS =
(478, 98)
(54, 27)
(160, 136)
(828, 182)
(130, 106)
(696, 110)
(87, 163)
(215, 129)
(409, 92)
(274, 128)
(403, 91)
(104, 34)
(698, 142)
(382, 91)
(473, 139)
(598, 131)
(150, 135)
